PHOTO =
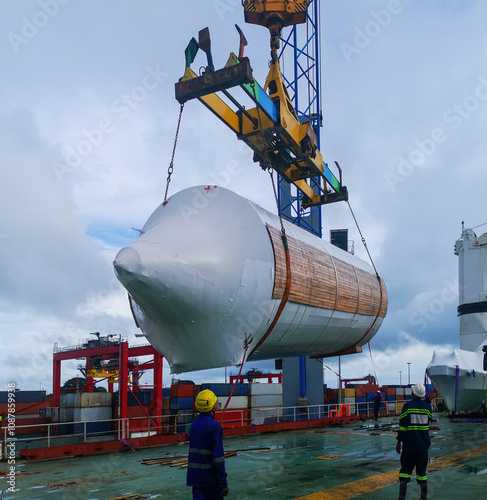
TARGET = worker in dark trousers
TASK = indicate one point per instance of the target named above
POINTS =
(414, 435)
(206, 462)
(377, 402)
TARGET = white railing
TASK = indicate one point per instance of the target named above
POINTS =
(123, 428)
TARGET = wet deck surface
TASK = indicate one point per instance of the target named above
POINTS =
(352, 461)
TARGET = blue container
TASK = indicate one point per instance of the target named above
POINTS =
(142, 396)
(181, 403)
(391, 398)
(166, 392)
(226, 389)
(360, 399)
(24, 396)
(334, 401)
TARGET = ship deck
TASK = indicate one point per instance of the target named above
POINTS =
(356, 460)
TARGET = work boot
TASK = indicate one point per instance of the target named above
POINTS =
(423, 485)
(403, 486)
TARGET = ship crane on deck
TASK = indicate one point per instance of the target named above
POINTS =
(272, 128)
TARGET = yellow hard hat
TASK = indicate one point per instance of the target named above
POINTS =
(205, 401)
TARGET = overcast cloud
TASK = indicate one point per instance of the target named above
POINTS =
(87, 123)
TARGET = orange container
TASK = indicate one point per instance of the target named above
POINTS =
(182, 391)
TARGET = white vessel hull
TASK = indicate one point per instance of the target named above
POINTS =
(463, 389)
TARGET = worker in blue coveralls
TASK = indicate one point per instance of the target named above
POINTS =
(414, 435)
(206, 462)
(377, 402)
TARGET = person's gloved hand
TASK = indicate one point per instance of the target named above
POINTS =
(224, 492)
(398, 447)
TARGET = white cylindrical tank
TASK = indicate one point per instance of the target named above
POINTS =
(208, 274)
(472, 278)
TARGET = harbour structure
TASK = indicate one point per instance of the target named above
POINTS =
(87, 423)
(461, 376)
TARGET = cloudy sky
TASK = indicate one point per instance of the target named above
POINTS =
(87, 121)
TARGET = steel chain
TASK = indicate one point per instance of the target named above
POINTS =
(170, 169)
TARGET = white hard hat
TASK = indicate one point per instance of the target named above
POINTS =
(418, 390)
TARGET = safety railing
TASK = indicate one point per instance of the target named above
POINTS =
(69, 433)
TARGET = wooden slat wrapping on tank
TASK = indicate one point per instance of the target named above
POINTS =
(320, 280)
(279, 263)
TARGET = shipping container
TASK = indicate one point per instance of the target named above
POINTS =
(139, 398)
(400, 391)
(93, 427)
(348, 400)
(23, 396)
(391, 408)
(184, 417)
(66, 414)
(370, 388)
(360, 399)
(348, 393)
(226, 389)
(24, 408)
(399, 397)
(399, 406)
(92, 414)
(371, 396)
(265, 400)
(90, 399)
(66, 400)
(137, 411)
(182, 391)
(407, 391)
(361, 408)
(260, 389)
(235, 402)
(166, 392)
(264, 416)
(181, 403)
(391, 391)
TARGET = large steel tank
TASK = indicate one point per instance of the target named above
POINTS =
(208, 279)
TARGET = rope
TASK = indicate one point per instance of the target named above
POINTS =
(283, 231)
(143, 409)
(236, 381)
(381, 297)
(171, 164)
(362, 238)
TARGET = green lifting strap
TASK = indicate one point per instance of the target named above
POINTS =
(191, 51)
